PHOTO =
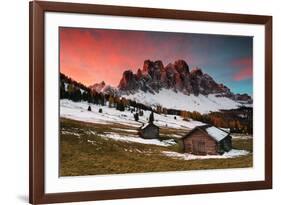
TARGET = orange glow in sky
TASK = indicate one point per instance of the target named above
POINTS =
(90, 55)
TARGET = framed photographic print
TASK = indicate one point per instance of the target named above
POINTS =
(138, 102)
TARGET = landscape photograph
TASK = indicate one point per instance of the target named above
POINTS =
(150, 101)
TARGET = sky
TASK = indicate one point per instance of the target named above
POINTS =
(91, 55)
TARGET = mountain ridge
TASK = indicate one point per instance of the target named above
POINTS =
(177, 76)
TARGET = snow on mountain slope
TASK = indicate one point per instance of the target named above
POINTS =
(78, 111)
(178, 100)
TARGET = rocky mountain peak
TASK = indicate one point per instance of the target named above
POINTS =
(128, 81)
(196, 71)
(181, 66)
(98, 86)
(176, 76)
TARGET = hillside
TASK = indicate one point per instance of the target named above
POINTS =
(78, 111)
(174, 87)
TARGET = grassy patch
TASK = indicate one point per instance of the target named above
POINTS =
(246, 144)
(83, 151)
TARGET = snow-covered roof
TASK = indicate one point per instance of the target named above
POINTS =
(216, 133)
(146, 125)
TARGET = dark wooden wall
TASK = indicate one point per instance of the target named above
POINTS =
(226, 144)
(150, 132)
(197, 137)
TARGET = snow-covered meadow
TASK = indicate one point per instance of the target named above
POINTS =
(166, 143)
(121, 127)
(112, 137)
(186, 156)
(78, 111)
(125, 138)
(130, 136)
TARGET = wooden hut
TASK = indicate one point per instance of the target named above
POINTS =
(207, 139)
(149, 131)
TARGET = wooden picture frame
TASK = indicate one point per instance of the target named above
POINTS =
(37, 193)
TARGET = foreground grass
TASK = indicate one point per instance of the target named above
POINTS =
(83, 151)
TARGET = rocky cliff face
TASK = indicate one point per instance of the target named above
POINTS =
(176, 76)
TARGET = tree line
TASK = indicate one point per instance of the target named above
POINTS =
(225, 119)
(75, 91)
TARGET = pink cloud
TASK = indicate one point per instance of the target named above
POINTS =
(91, 56)
(245, 69)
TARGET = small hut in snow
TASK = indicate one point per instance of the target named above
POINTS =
(149, 130)
(207, 139)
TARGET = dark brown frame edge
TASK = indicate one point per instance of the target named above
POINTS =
(36, 104)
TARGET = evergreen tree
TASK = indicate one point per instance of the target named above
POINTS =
(76, 94)
(151, 117)
(120, 106)
(90, 97)
(165, 111)
(89, 108)
(85, 96)
(95, 98)
(136, 116)
(62, 90)
(101, 99)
